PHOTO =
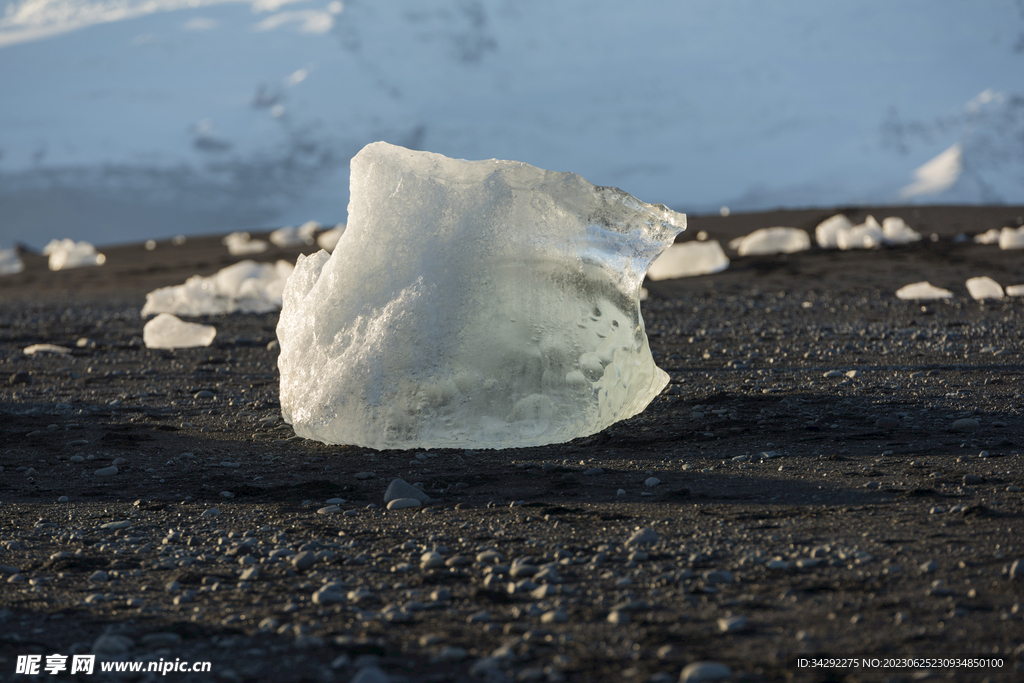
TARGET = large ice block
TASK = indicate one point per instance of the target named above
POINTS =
(482, 304)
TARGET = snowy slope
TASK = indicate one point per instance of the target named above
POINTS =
(127, 119)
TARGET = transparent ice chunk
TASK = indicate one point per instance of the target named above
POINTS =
(67, 253)
(245, 287)
(486, 304)
(688, 259)
(920, 291)
(777, 240)
(984, 288)
(169, 332)
(10, 262)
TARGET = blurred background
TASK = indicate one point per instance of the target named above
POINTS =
(123, 120)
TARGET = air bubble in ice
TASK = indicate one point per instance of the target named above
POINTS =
(461, 312)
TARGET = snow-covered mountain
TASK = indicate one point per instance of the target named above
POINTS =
(122, 120)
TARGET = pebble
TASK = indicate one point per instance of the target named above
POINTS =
(652, 481)
(620, 492)
(643, 536)
(76, 459)
(554, 617)
(106, 471)
(483, 617)
(304, 560)
(402, 503)
(365, 475)
(489, 557)
(370, 674)
(328, 595)
(212, 512)
(593, 470)
(328, 510)
(114, 526)
(853, 374)
(98, 576)
(431, 560)
(62, 499)
(732, 624)
(833, 373)
(1017, 570)
(250, 574)
(399, 489)
(966, 424)
(887, 423)
(226, 494)
(334, 501)
(205, 393)
(929, 567)
(706, 671)
(618, 617)
(973, 480)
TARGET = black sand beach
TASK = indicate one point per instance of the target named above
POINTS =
(838, 475)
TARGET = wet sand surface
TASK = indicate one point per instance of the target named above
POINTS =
(832, 471)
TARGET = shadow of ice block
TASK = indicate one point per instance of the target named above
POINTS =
(484, 304)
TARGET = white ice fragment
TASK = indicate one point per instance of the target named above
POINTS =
(984, 288)
(10, 262)
(988, 237)
(923, 290)
(67, 253)
(290, 236)
(329, 240)
(46, 348)
(169, 332)
(777, 240)
(484, 304)
(245, 287)
(1015, 290)
(896, 231)
(867, 235)
(936, 175)
(1011, 238)
(827, 232)
(241, 243)
(687, 259)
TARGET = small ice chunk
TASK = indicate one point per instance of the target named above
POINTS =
(984, 288)
(827, 232)
(288, 236)
(245, 287)
(1011, 238)
(867, 235)
(1015, 290)
(920, 291)
(988, 237)
(896, 231)
(169, 332)
(329, 240)
(10, 262)
(307, 231)
(481, 304)
(67, 253)
(777, 240)
(687, 259)
(242, 243)
(46, 348)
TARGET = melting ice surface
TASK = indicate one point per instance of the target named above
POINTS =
(245, 287)
(688, 259)
(67, 253)
(329, 240)
(169, 332)
(486, 304)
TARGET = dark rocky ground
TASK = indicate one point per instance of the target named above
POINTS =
(798, 510)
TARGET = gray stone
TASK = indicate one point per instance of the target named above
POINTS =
(106, 471)
(705, 671)
(732, 624)
(1017, 570)
(114, 526)
(887, 423)
(370, 674)
(365, 475)
(402, 503)
(966, 424)
(98, 576)
(304, 560)
(400, 488)
(645, 536)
